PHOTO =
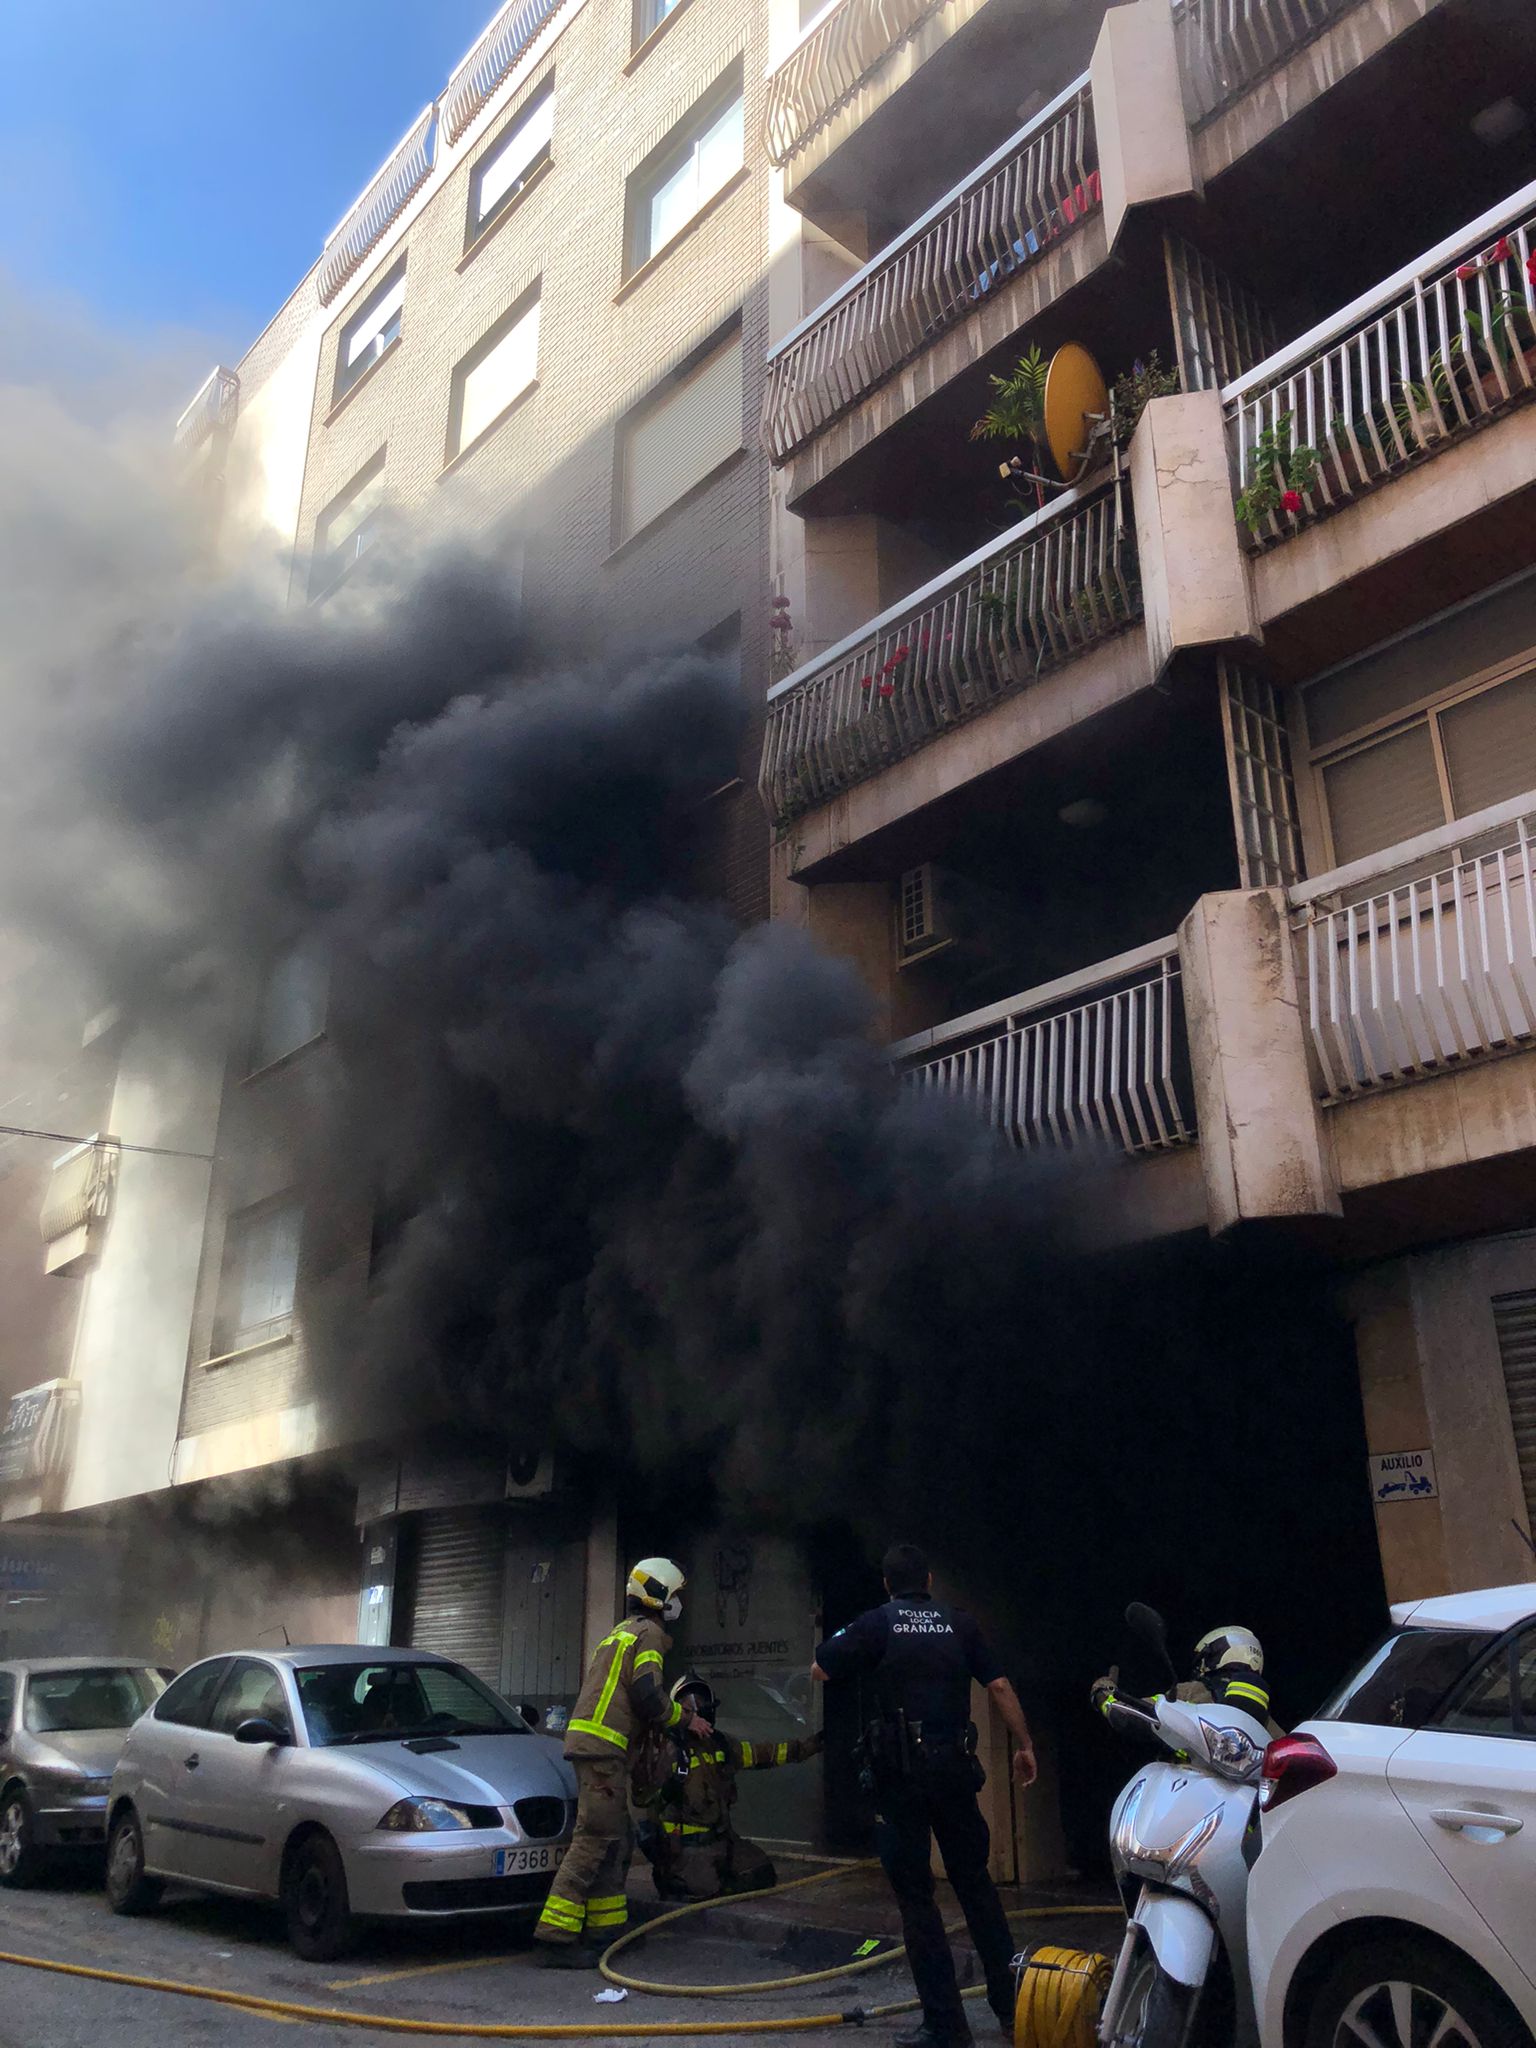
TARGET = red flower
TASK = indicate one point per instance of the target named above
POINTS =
(1499, 253)
(887, 689)
(925, 642)
(901, 654)
(1292, 502)
(889, 668)
(1466, 270)
(866, 682)
(1530, 269)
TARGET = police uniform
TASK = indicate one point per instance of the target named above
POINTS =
(922, 1658)
(685, 1786)
(622, 1695)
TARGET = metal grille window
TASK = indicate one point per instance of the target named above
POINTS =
(680, 177)
(1514, 1320)
(371, 330)
(347, 528)
(507, 166)
(261, 1270)
(674, 440)
(495, 374)
(1259, 772)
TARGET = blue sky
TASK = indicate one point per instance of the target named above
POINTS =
(176, 165)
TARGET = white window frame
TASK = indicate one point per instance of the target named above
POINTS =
(232, 1330)
(482, 219)
(330, 564)
(727, 337)
(678, 157)
(523, 308)
(371, 332)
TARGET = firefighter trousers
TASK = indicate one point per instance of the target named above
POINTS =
(692, 1868)
(587, 1897)
(938, 1803)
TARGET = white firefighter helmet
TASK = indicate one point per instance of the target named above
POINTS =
(657, 1583)
(1228, 1646)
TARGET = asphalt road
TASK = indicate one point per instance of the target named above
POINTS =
(474, 1974)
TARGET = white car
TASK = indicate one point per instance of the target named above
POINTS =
(1393, 1904)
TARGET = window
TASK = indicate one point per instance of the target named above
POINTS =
(649, 15)
(7, 1701)
(371, 1702)
(1404, 1680)
(495, 374)
(1500, 1699)
(347, 528)
(370, 331)
(261, 1266)
(678, 435)
(702, 154)
(80, 1702)
(1430, 728)
(292, 1007)
(510, 162)
(187, 1699)
(251, 1692)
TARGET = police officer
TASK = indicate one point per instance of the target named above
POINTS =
(622, 1695)
(920, 1751)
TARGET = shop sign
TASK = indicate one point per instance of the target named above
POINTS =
(1402, 1475)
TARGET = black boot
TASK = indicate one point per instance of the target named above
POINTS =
(926, 2036)
(567, 1955)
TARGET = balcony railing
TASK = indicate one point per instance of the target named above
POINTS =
(215, 406)
(1226, 46)
(1006, 214)
(385, 199)
(1428, 973)
(844, 45)
(1394, 378)
(483, 72)
(1100, 1056)
(1051, 586)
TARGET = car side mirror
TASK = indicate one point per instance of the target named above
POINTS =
(530, 1714)
(259, 1729)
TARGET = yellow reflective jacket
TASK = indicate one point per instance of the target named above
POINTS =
(623, 1691)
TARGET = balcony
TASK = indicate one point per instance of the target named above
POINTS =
(1001, 219)
(1425, 975)
(1227, 46)
(1100, 1058)
(1044, 592)
(1415, 366)
(215, 407)
(844, 46)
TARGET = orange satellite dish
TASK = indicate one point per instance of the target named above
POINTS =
(1076, 402)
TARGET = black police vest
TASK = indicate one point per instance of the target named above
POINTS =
(924, 1672)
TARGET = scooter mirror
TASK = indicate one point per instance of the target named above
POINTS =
(1151, 1631)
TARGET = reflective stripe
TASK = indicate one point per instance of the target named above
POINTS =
(596, 1728)
(674, 1716)
(1241, 1691)
(608, 1912)
(686, 1827)
(564, 1913)
(781, 1754)
(648, 1657)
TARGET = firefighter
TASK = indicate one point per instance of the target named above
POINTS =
(621, 1696)
(1229, 1668)
(685, 1785)
(919, 1760)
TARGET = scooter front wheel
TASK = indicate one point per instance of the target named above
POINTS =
(1154, 2012)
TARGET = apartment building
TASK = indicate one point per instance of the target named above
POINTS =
(1184, 805)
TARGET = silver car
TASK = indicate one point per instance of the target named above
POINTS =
(345, 1782)
(62, 1725)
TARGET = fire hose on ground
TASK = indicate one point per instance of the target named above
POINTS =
(1057, 2003)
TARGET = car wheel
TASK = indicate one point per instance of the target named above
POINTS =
(21, 1861)
(128, 1889)
(320, 1923)
(1399, 1993)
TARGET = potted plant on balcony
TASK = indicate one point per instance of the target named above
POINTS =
(1282, 474)
(1017, 414)
(1130, 395)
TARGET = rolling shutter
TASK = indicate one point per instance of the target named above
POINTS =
(680, 436)
(1514, 1318)
(459, 1586)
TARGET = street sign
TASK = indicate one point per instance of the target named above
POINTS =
(1402, 1475)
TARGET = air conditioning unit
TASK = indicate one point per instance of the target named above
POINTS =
(921, 926)
(78, 1206)
(530, 1475)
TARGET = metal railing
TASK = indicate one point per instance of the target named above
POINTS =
(1428, 973)
(1227, 46)
(1435, 350)
(215, 406)
(478, 78)
(1047, 1070)
(833, 56)
(1039, 186)
(385, 199)
(1051, 586)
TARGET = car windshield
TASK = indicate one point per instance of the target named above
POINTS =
(74, 1702)
(385, 1702)
(1406, 1677)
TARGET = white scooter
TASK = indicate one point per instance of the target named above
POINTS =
(1183, 1836)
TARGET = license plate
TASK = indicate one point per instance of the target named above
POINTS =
(510, 1861)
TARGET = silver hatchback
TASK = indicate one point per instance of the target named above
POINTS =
(63, 1721)
(344, 1782)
